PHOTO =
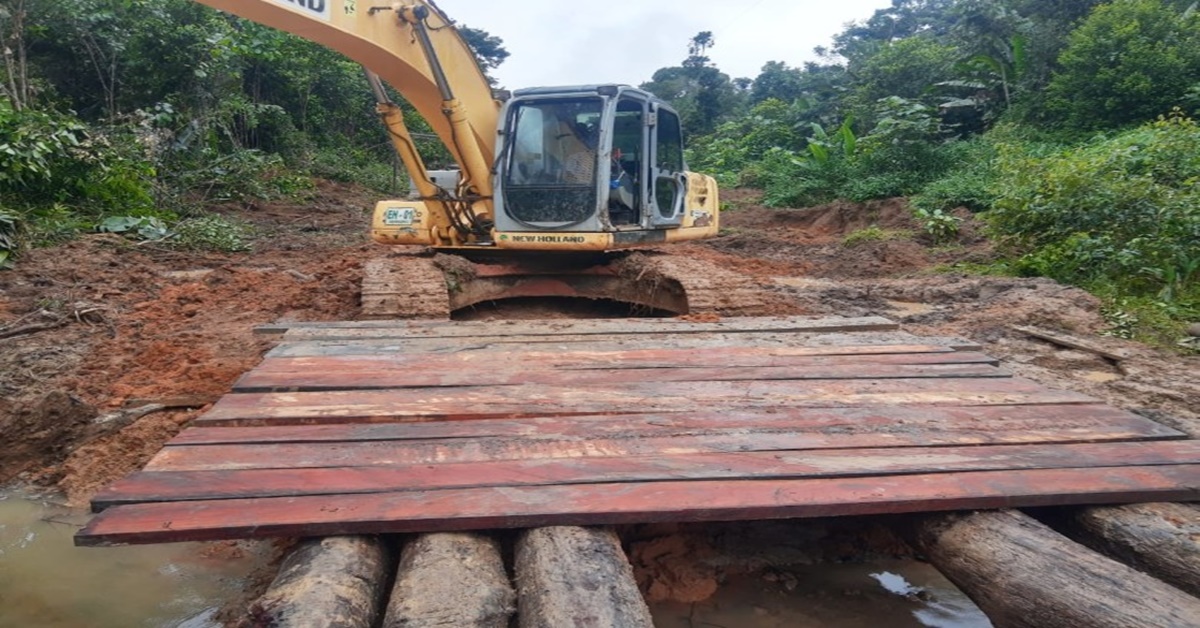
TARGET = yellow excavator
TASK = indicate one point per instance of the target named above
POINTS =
(574, 174)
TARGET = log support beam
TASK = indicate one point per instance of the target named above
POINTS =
(1024, 574)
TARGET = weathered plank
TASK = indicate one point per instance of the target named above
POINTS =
(596, 329)
(607, 358)
(365, 454)
(618, 343)
(204, 485)
(1023, 574)
(665, 360)
(1072, 342)
(826, 420)
(364, 379)
(475, 402)
(603, 504)
(459, 329)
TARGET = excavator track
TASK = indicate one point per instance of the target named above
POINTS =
(710, 288)
(426, 286)
(404, 287)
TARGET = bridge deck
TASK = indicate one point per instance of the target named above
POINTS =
(376, 427)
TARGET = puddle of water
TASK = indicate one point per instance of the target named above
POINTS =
(46, 581)
(886, 593)
(908, 308)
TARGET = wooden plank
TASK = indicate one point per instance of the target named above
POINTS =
(602, 504)
(207, 485)
(633, 398)
(593, 358)
(447, 329)
(865, 342)
(666, 360)
(844, 420)
(362, 379)
(1071, 342)
(391, 453)
(600, 327)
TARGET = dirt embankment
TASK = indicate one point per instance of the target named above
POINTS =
(105, 323)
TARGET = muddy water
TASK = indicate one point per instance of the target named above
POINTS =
(47, 582)
(889, 593)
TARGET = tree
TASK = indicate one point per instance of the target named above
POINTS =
(16, 64)
(1127, 63)
(778, 81)
(701, 93)
(488, 48)
(907, 69)
(905, 18)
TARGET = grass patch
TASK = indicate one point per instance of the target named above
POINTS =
(875, 233)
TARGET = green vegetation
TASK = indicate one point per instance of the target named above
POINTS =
(874, 233)
(138, 116)
(1067, 126)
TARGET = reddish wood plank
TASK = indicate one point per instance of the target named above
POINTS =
(594, 327)
(206, 485)
(847, 420)
(830, 344)
(363, 379)
(299, 455)
(633, 398)
(603, 504)
(405, 363)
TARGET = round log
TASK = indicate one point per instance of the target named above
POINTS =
(1022, 573)
(451, 579)
(331, 582)
(572, 576)
(1162, 540)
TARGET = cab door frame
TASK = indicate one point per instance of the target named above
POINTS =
(668, 173)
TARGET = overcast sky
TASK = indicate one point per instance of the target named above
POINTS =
(569, 42)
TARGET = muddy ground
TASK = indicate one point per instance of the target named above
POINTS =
(103, 324)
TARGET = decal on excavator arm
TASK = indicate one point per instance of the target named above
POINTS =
(320, 8)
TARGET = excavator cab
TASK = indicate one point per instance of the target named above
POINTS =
(588, 159)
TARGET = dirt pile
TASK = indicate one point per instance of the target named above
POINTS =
(140, 323)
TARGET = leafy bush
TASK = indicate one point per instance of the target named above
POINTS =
(213, 232)
(898, 157)
(379, 173)
(143, 227)
(1127, 63)
(968, 183)
(1121, 212)
(940, 225)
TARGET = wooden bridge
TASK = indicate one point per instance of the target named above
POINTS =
(382, 427)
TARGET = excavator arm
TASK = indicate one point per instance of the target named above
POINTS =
(412, 46)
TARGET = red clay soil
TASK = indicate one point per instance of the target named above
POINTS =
(140, 323)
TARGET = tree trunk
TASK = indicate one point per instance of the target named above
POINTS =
(451, 580)
(1022, 573)
(1162, 540)
(332, 582)
(570, 576)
